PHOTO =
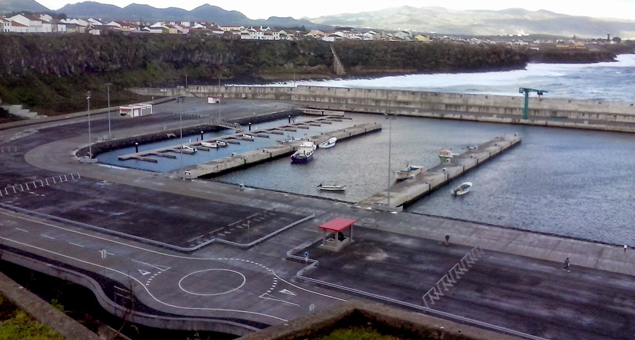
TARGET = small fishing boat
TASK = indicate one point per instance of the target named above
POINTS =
(209, 145)
(332, 187)
(408, 172)
(188, 149)
(304, 154)
(462, 189)
(220, 143)
(328, 143)
(246, 137)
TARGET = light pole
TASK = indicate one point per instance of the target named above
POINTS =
(389, 153)
(219, 100)
(181, 129)
(90, 139)
(108, 90)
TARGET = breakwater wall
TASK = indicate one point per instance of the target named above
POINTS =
(587, 114)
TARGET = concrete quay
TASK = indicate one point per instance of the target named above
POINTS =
(250, 158)
(412, 189)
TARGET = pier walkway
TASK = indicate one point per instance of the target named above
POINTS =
(411, 189)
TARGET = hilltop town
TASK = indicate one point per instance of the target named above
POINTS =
(45, 23)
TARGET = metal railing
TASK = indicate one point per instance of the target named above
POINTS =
(454, 274)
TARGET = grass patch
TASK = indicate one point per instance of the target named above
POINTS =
(16, 324)
(358, 333)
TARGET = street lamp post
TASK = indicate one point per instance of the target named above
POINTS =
(108, 90)
(90, 139)
(389, 154)
(181, 129)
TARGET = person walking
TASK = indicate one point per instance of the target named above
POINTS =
(567, 264)
(447, 240)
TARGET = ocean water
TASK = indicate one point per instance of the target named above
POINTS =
(608, 81)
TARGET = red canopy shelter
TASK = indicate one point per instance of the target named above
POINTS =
(337, 226)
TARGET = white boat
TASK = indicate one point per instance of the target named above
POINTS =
(328, 143)
(409, 172)
(331, 187)
(209, 145)
(189, 149)
(462, 189)
(220, 143)
(247, 137)
(304, 154)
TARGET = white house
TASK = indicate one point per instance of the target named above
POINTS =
(17, 27)
(5, 25)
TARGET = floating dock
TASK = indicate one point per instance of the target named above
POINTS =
(412, 189)
(272, 152)
(168, 152)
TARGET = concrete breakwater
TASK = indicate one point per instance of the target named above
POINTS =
(412, 189)
(585, 114)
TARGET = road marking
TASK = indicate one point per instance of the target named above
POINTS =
(20, 229)
(49, 237)
(263, 296)
(288, 292)
(143, 272)
(310, 291)
(76, 244)
(161, 268)
(141, 283)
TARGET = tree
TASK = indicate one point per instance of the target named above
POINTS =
(617, 40)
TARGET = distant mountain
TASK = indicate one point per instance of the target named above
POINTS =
(148, 13)
(11, 6)
(481, 22)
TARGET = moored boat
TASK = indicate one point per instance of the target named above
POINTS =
(247, 137)
(462, 189)
(187, 149)
(209, 144)
(328, 143)
(220, 143)
(304, 154)
(409, 172)
(332, 187)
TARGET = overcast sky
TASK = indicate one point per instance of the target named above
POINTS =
(262, 9)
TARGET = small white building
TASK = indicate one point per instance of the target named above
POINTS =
(135, 110)
(213, 99)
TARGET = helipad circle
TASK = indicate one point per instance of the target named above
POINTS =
(211, 282)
